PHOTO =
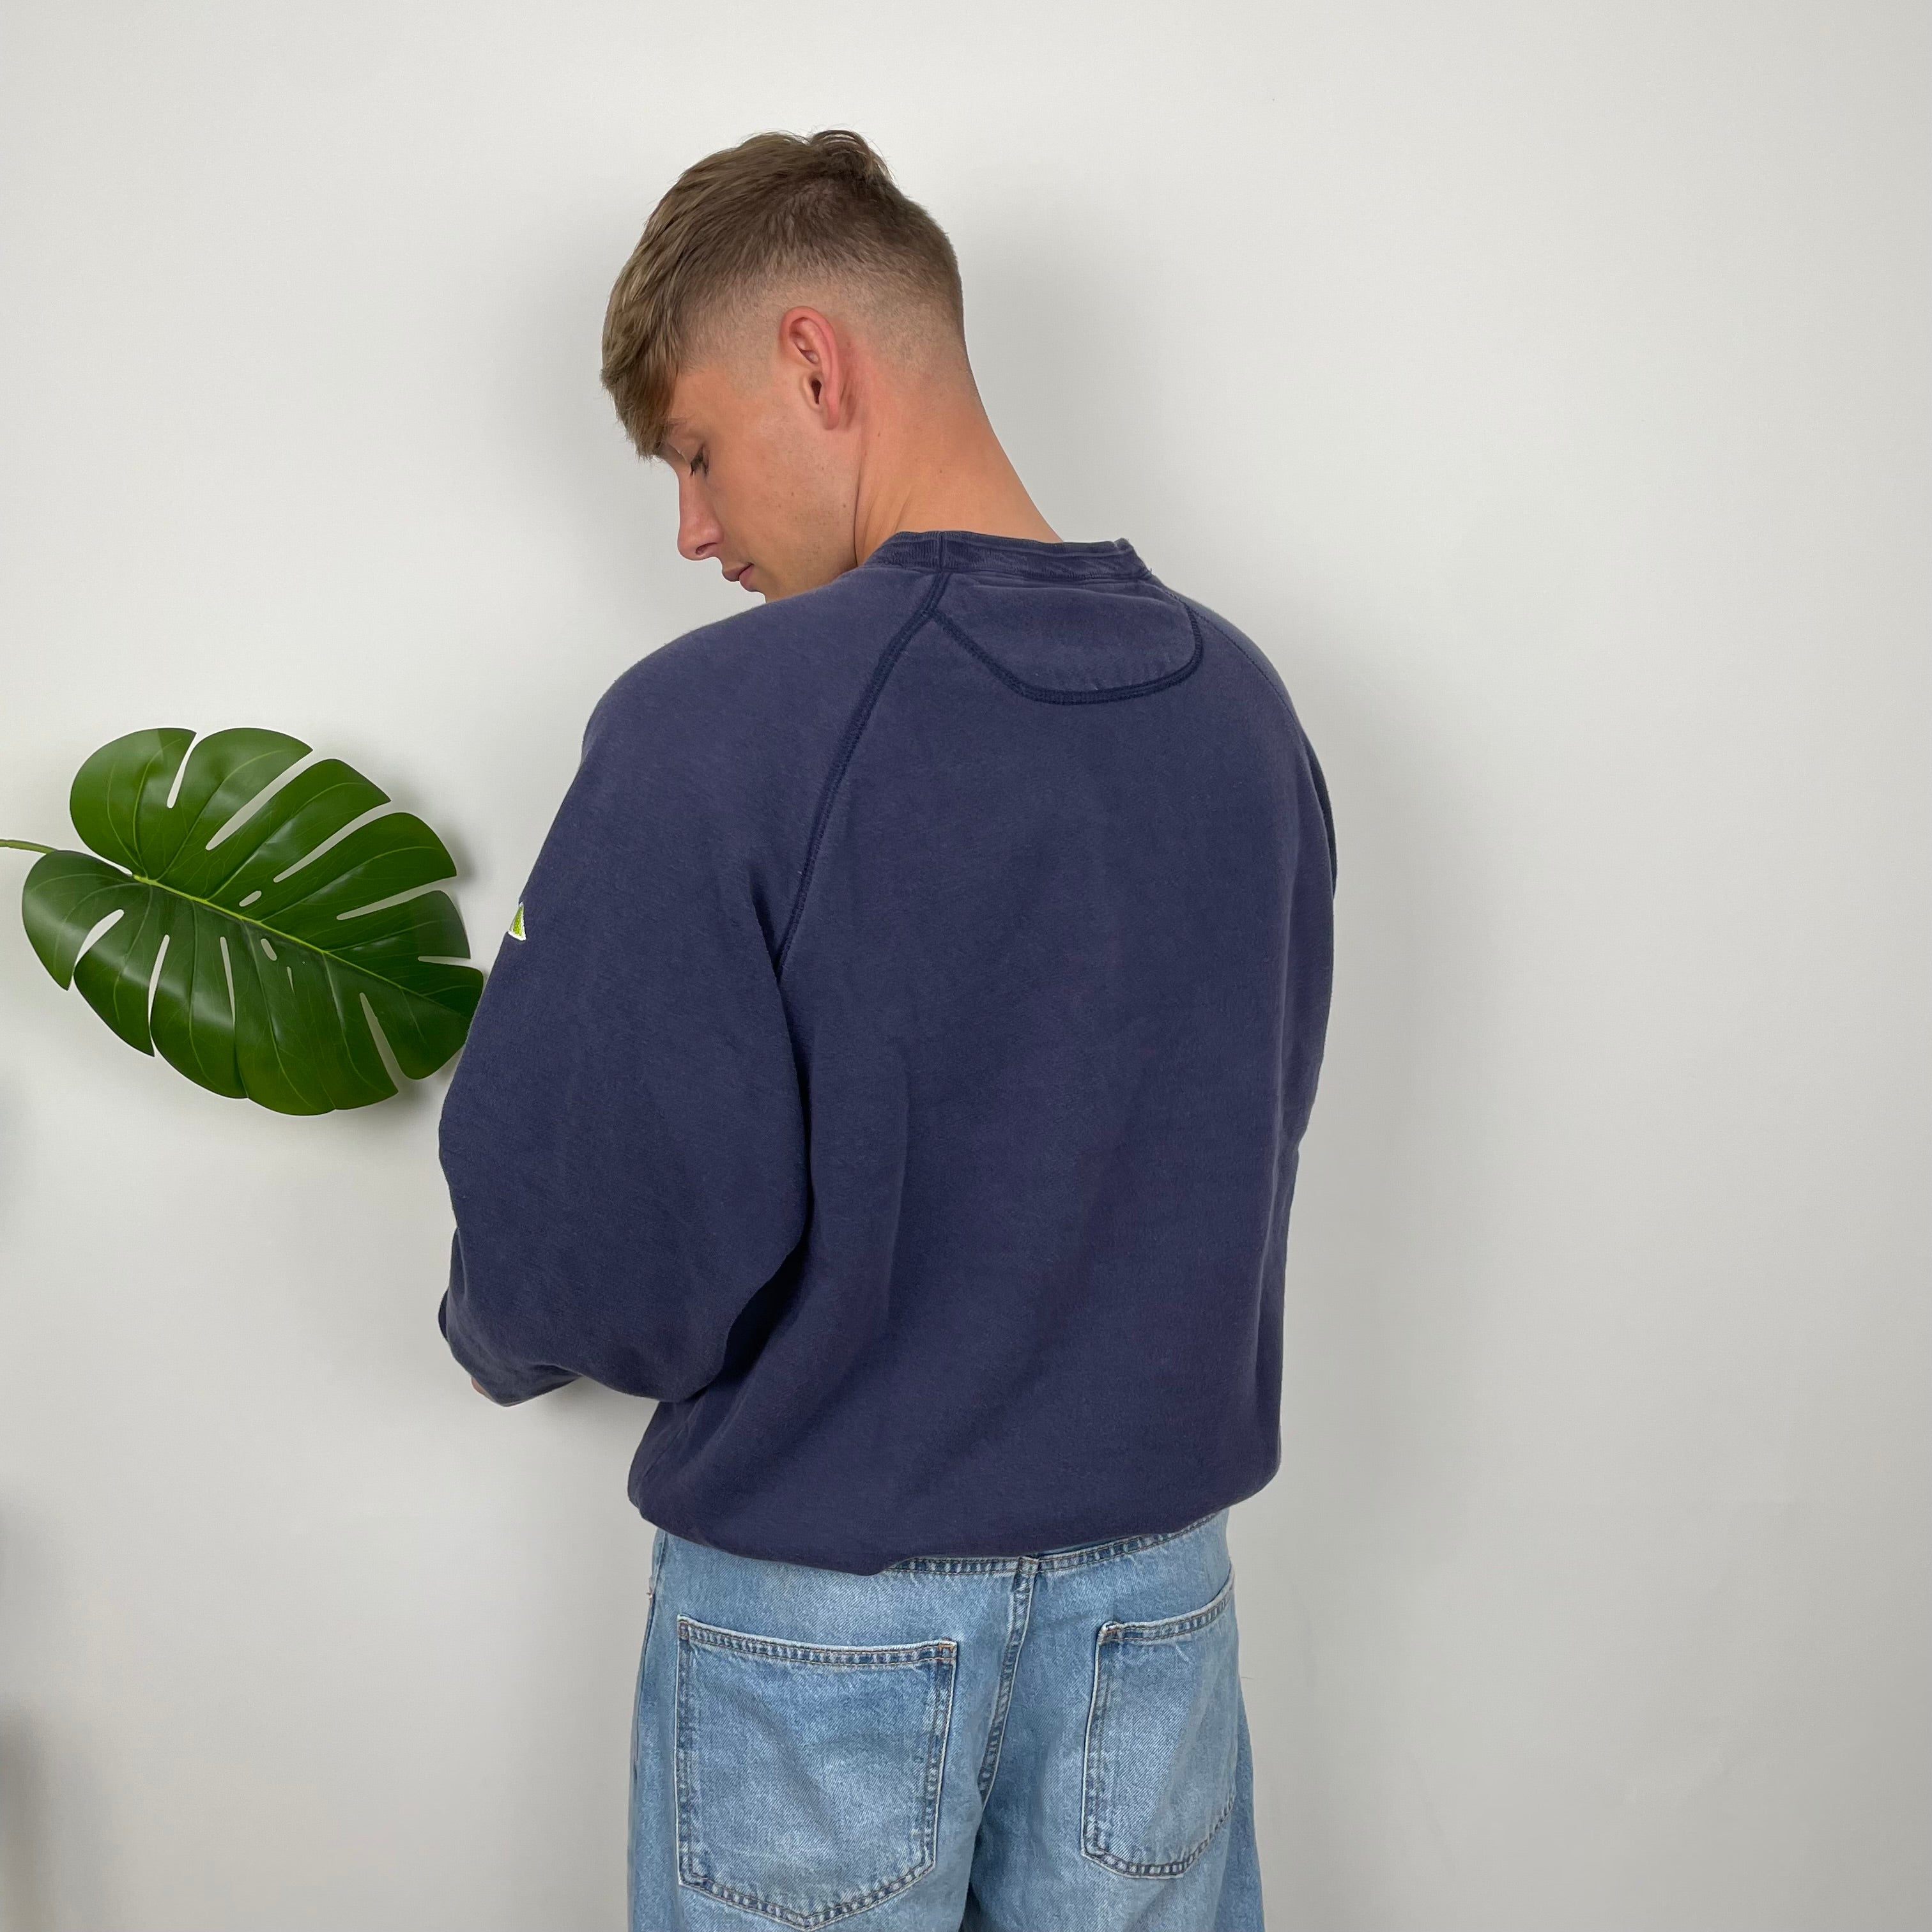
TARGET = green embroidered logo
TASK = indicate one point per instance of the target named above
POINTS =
(517, 922)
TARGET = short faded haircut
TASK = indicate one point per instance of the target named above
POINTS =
(777, 210)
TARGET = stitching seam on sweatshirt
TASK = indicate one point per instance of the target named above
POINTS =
(856, 725)
(1247, 656)
(1047, 694)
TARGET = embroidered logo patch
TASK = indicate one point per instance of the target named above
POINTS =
(516, 926)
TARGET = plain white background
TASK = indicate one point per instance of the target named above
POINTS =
(1546, 387)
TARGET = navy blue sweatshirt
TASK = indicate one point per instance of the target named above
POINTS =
(901, 1072)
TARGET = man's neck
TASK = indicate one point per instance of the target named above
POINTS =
(940, 467)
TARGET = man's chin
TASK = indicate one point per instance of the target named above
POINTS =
(811, 576)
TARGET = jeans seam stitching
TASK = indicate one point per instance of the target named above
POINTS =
(1020, 1603)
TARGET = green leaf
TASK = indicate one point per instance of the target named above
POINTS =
(272, 963)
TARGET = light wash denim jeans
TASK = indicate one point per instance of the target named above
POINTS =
(1048, 1743)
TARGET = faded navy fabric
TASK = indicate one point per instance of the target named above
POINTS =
(901, 1074)
(1056, 1742)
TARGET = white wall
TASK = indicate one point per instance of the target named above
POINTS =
(1546, 386)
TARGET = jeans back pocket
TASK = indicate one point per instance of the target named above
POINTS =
(808, 1775)
(1163, 1731)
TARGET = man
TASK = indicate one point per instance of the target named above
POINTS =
(897, 1068)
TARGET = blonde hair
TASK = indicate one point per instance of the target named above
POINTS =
(776, 209)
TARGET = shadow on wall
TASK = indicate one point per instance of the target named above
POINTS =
(24, 1896)
(53, 1840)
(1377, 1330)
(25, 1891)
(24, 1904)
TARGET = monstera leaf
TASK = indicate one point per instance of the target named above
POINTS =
(277, 958)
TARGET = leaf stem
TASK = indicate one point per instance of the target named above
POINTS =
(28, 845)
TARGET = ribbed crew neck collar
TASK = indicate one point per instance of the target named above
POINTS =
(973, 551)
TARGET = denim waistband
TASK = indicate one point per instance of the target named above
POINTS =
(1072, 1556)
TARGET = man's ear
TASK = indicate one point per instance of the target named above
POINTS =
(812, 355)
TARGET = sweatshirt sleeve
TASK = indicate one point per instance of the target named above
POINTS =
(623, 1137)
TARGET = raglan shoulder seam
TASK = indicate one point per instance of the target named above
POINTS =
(848, 744)
(1250, 655)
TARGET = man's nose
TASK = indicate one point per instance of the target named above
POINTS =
(698, 534)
